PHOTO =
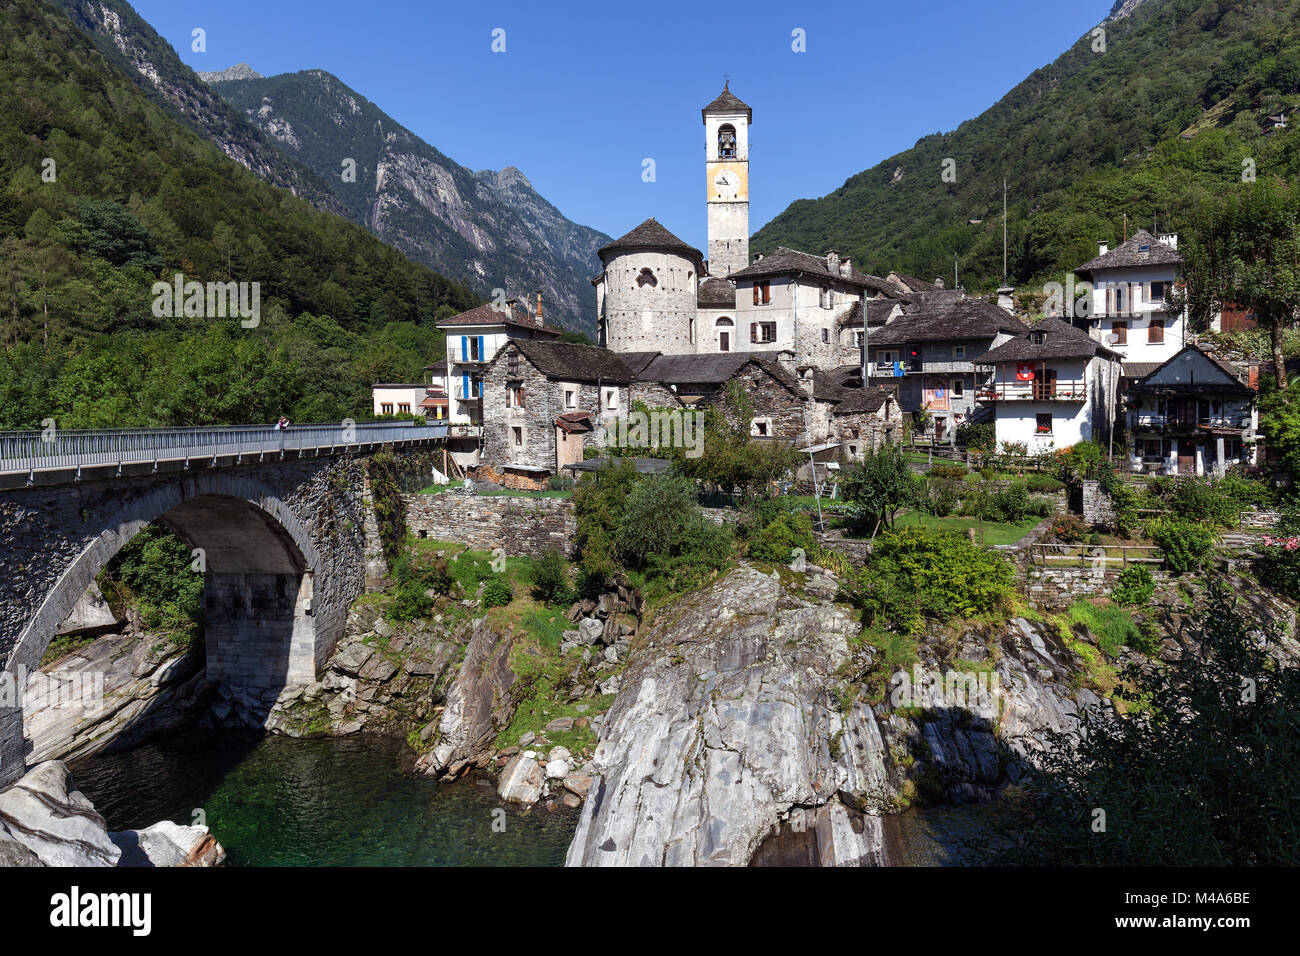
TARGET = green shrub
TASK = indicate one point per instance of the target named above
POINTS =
(1111, 627)
(1134, 587)
(1086, 460)
(497, 593)
(409, 602)
(1186, 544)
(918, 573)
(1040, 507)
(1070, 529)
(1011, 504)
(942, 496)
(1279, 564)
(550, 577)
(948, 471)
(560, 483)
(779, 539)
(981, 436)
(1044, 484)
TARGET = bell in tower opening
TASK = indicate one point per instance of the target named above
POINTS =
(727, 142)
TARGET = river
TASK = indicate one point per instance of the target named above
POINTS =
(353, 801)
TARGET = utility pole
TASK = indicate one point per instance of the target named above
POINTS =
(955, 283)
(1004, 232)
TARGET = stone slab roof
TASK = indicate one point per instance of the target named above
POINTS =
(650, 235)
(1130, 254)
(716, 293)
(1061, 341)
(488, 314)
(727, 102)
(570, 362)
(945, 319)
(788, 261)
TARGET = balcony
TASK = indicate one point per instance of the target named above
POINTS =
(1033, 392)
(1141, 421)
(894, 369)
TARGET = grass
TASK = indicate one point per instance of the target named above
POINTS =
(995, 532)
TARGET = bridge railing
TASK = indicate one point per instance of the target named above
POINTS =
(27, 451)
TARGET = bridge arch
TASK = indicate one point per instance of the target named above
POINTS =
(260, 566)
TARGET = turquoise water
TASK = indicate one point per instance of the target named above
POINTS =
(277, 801)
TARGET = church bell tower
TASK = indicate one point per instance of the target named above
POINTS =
(726, 138)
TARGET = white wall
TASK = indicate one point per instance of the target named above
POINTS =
(1139, 311)
(398, 395)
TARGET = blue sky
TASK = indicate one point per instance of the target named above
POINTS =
(585, 91)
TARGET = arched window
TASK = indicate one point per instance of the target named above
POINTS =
(647, 277)
(724, 323)
(726, 141)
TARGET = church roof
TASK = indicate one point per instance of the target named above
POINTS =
(650, 235)
(727, 102)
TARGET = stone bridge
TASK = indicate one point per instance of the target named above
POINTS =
(278, 520)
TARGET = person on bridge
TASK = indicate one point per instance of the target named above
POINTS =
(282, 424)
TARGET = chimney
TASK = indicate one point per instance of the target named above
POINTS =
(938, 281)
(1170, 239)
(1007, 299)
(537, 316)
(1103, 247)
(833, 262)
(846, 268)
(758, 257)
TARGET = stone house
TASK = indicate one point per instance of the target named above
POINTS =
(1193, 415)
(858, 420)
(1052, 387)
(931, 356)
(544, 402)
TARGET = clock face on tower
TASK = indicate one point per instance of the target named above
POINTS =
(728, 182)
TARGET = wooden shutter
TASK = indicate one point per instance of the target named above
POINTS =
(753, 331)
(756, 293)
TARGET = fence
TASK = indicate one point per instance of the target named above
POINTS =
(1067, 555)
(32, 451)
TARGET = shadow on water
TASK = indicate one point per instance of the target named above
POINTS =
(278, 801)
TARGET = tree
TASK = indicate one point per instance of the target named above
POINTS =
(880, 486)
(1204, 741)
(1245, 251)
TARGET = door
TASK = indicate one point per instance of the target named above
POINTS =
(724, 341)
(1186, 457)
(1044, 383)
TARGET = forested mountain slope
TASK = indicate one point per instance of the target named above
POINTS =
(103, 192)
(1083, 141)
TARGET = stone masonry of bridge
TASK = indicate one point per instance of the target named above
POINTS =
(284, 545)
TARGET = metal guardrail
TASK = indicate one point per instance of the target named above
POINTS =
(32, 451)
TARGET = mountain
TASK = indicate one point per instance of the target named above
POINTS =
(1147, 119)
(103, 193)
(492, 228)
(131, 44)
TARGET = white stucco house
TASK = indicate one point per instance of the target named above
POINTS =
(1129, 311)
(1052, 387)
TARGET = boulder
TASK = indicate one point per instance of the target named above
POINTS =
(45, 813)
(479, 702)
(90, 614)
(590, 630)
(521, 780)
(578, 782)
(560, 723)
(168, 844)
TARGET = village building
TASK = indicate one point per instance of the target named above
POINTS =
(1129, 309)
(544, 403)
(1052, 387)
(473, 339)
(855, 419)
(1193, 415)
(932, 357)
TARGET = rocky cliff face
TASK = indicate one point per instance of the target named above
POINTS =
(490, 228)
(133, 46)
(744, 731)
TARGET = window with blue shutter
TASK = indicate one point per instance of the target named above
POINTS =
(464, 386)
(464, 348)
(482, 356)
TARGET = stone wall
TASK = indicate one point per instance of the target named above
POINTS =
(1060, 586)
(522, 526)
(781, 407)
(1093, 503)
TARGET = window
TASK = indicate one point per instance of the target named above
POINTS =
(958, 352)
(1044, 426)
(760, 429)
(858, 339)
(958, 387)
(1156, 332)
(404, 408)
(611, 398)
(647, 277)
(762, 293)
(514, 396)
(512, 362)
(387, 408)
(1145, 247)
(824, 297)
(826, 336)
(1038, 338)
(762, 332)
(888, 357)
(690, 329)
(1159, 291)
(471, 348)
(1121, 332)
(726, 141)
(517, 433)
(570, 400)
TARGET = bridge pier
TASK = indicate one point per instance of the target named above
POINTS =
(259, 630)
